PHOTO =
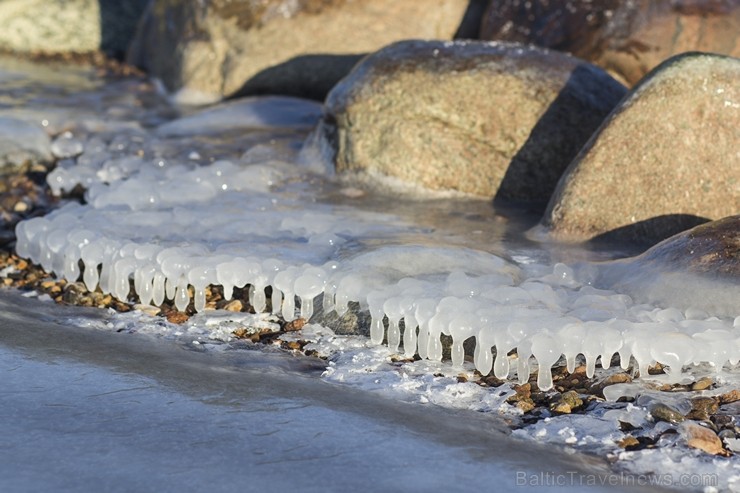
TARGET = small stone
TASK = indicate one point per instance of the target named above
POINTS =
(702, 384)
(294, 325)
(526, 405)
(702, 408)
(565, 403)
(241, 333)
(729, 397)
(176, 317)
(727, 434)
(628, 441)
(234, 306)
(150, 310)
(664, 412)
(598, 388)
(701, 438)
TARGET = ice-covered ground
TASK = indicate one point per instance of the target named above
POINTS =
(179, 206)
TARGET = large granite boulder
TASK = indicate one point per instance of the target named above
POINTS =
(69, 26)
(300, 48)
(492, 119)
(626, 37)
(667, 159)
(699, 268)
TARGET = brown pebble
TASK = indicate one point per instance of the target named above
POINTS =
(702, 408)
(294, 325)
(702, 384)
(702, 438)
(241, 333)
(598, 387)
(234, 306)
(628, 441)
(526, 405)
(566, 402)
(176, 317)
(728, 397)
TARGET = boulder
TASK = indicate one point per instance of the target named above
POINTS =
(704, 259)
(299, 48)
(69, 26)
(666, 159)
(496, 120)
(628, 38)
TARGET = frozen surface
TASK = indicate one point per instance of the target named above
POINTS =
(85, 410)
(172, 228)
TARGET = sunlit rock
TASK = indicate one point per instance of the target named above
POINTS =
(224, 47)
(76, 26)
(626, 38)
(491, 119)
(666, 159)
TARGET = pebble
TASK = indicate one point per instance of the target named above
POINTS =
(664, 412)
(566, 402)
(234, 306)
(702, 384)
(729, 397)
(702, 408)
(701, 438)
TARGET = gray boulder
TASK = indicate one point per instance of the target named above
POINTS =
(667, 159)
(491, 119)
(300, 48)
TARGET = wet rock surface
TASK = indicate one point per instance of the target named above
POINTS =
(705, 258)
(495, 120)
(223, 48)
(664, 161)
(626, 38)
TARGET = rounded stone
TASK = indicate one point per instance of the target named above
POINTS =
(496, 120)
(300, 48)
(664, 161)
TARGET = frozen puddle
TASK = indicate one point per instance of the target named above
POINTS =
(88, 410)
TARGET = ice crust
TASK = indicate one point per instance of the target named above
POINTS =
(173, 229)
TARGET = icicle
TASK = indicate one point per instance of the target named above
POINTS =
(90, 276)
(547, 352)
(409, 335)
(158, 288)
(182, 298)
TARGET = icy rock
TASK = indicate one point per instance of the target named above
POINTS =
(21, 141)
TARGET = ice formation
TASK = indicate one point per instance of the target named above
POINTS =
(171, 230)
